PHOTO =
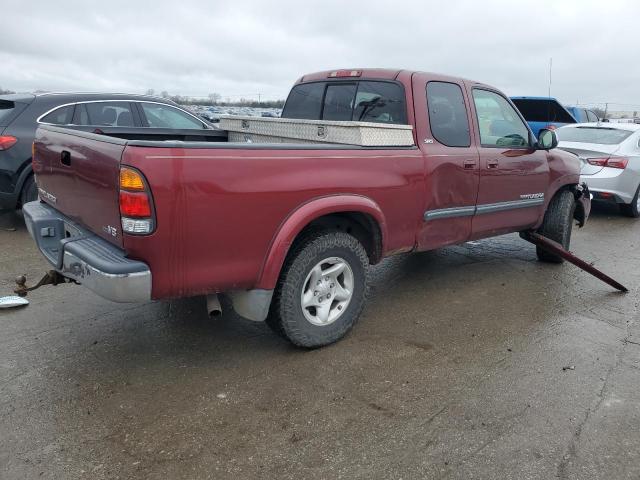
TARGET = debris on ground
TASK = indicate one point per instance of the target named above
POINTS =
(13, 301)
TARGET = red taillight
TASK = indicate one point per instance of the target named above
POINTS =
(550, 127)
(7, 141)
(134, 205)
(611, 162)
(136, 210)
(598, 162)
(618, 162)
(345, 73)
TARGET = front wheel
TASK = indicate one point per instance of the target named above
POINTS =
(321, 290)
(632, 209)
(557, 224)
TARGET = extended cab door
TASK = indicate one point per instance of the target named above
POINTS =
(451, 160)
(513, 174)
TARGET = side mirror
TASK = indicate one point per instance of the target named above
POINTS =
(547, 139)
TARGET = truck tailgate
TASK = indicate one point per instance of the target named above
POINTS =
(78, 174)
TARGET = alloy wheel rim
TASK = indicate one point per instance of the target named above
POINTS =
(327, 291)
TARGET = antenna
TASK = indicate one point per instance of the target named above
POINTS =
(550, 66)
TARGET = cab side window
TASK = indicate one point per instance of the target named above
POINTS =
(448, 114)
(498, 122)
(60, 116)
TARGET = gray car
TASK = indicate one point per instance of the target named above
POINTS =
(610, 155)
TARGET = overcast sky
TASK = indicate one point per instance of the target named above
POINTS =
(244, 47)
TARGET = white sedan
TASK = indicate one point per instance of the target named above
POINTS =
(610, 155)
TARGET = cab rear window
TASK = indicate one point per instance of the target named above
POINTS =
(363, 101)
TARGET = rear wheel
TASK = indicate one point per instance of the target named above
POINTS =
(557, 224)
(321, 290)
(632, 209)
(29, 191)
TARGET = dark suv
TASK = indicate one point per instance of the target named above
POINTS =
(21, 114)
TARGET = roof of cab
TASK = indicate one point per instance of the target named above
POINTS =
(378, 73)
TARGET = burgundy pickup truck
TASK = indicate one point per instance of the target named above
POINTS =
(287, 231)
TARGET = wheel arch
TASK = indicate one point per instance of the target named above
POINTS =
(564, 182)
(358, 215)
(25, 173)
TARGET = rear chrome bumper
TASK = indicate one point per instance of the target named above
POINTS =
(86, 258)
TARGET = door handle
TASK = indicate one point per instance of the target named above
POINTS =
(493, 163)
(468, 164)
(65, 158)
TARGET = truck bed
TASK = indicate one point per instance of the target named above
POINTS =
(209, 196)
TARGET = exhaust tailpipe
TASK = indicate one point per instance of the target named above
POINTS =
(214, 309)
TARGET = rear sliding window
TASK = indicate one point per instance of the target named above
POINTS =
(603, 136)
(541, 110)
(363, 101)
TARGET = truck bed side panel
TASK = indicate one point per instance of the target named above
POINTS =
(218, 210)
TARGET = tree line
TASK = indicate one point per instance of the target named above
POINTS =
(215, 99)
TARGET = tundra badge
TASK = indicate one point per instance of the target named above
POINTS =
(528, 196)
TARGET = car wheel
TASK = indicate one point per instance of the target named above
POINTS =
(321, 290)
(29, 191)
(557, 224)
(632, 209)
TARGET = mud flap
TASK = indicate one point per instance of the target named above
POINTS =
(557, 249)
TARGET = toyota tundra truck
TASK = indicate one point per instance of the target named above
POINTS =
(287, 231)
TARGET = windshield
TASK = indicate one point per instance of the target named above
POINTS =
(603, 136)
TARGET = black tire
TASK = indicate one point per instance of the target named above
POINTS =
(557, 224)
(631, 209)
(29, 191)
(286, 316)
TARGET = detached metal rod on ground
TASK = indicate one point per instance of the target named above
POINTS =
(557, 249)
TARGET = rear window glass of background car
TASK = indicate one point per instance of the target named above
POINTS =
(380, 102)
(448, 114)
(6, 112)
(60, 116)
(113, 114)
(304, 101)
(543, 111)
(603, 136)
